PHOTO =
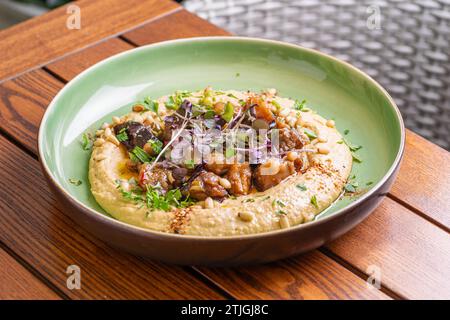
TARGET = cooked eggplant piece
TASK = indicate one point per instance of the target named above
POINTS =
(158, 177)
(134, 134)
(206, 184)
(271, 173)
(240, 177)
(290, 139)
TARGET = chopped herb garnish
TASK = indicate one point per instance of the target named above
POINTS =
(278, 202)
(301, 187)
(190, 164)
(340, 142)
(314, 201)
(356, 158)
(265, 198)
(276, 104)
(229, 152)
(237, 74)
(140, 155)
(122, 135)
(86, 141)
(311, 134)
(156, 145)
(280, 212)
(369, 183)
(152, 105)
(346, 131)
(248, 200)
(228, 112)
(232, 96)
(351, 146)
(75, 182)
(299, 105)
(349, 187)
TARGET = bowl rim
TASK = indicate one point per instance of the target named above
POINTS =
(114, 223)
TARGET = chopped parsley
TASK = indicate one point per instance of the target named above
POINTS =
(356, 158)
(369, 183)
(314, 201)
(232, 96)
(299, 105)
(349, 187)
(156, 145)
(152, 105)
(278, 202)
(248, 200)
(86, 141)
(229, 152)
(311, 134)
(280, 212)
(238, 74)
(276, 104)
(122, 135)
(265, 198)
(301, 187)
(346, 131)
(75, 182)
(228, 112)
(139, 154)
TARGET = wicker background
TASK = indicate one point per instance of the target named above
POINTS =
(409, 54)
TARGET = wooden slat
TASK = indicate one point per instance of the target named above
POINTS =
(424, 179)
(181, 24)
(43, 39)
(34, 224)
(23, 101)
(413, 254)
(310, 276)
(16, 282)
(68, 67)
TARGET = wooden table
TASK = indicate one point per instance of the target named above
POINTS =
(407, 236)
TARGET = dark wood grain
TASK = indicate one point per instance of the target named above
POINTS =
(23, 101)
(70, 66)
(412, 254)
(424, 179)
(18, 283)
(180, 24)
(40, 40)
(34, 224)
(310, 276)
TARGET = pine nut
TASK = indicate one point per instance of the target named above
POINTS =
(98, 133)
(225, 183)
(271, 167)
(116, 120)
(106, 125)
(323, 150)
(108, 132)
(284, 112)
(291, 121)
(245, 216)
(322, 139)
(138, 108)
(292, 155)
(284, 222)
(99, 142)
(271, 91)
(209, 203)
(330, 123)
(196, 188)
(113, 139)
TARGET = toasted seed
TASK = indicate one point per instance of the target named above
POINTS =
(138, 108)
(245, 216)
(99, 142)
(170, 177)
(284, 112)
(225, 183)
(116, 120)
(196, 188)
(330, 123)
(292, 155)
(271, 167)
(98, 133)
(323, 150)
(113, 139)
(108, 132)
(100, 157)
(209, 203)
(284, 222)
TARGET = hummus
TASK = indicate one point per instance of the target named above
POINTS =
(243, 203)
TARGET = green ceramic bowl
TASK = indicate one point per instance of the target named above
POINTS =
(333, 88)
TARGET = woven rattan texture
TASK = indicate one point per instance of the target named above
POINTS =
(405, 45)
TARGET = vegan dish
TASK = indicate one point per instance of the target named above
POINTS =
(218, 163)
